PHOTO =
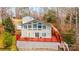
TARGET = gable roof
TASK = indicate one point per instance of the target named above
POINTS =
(27, 19)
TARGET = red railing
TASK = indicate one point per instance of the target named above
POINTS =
(53, 39)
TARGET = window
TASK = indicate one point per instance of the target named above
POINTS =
(44, 27)
(44, 34)
(29, 26)
(25, 26)
(34, 25)
(37, 34)
(39, 25)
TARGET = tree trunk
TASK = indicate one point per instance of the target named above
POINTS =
(58, 19)
(71, 21)
(76, 26)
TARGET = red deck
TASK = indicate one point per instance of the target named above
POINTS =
(53, 39)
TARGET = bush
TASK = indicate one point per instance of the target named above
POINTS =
(50, 17)
(7, 39)
(69, 39)
(8, 25)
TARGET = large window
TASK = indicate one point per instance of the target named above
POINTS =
(25, 26)
(29, 26)
(34, 25)
(44, 34)
(39, 25)
(44, 27)
(37, 34)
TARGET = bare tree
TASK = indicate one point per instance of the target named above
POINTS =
(22, 11)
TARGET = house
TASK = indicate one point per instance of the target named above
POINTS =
(37, 35)
(36, 29)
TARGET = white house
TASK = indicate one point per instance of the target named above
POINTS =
(36, 29)
(33, 28)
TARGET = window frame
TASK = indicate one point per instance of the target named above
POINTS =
(44, 27)
(25, 26)
(34, 26)
(37, 34)
(44, 34)
(29, 24)
(39, 26)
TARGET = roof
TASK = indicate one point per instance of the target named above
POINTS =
(27, 19)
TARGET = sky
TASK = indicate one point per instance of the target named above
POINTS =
(37, 9)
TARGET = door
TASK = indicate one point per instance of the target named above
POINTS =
(37, 34)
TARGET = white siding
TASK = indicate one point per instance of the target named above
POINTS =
(31, 33)
(26, 33)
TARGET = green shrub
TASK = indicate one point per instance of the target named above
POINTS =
(8, 25)
(7, 39)
(50, 17)
(69, 39)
